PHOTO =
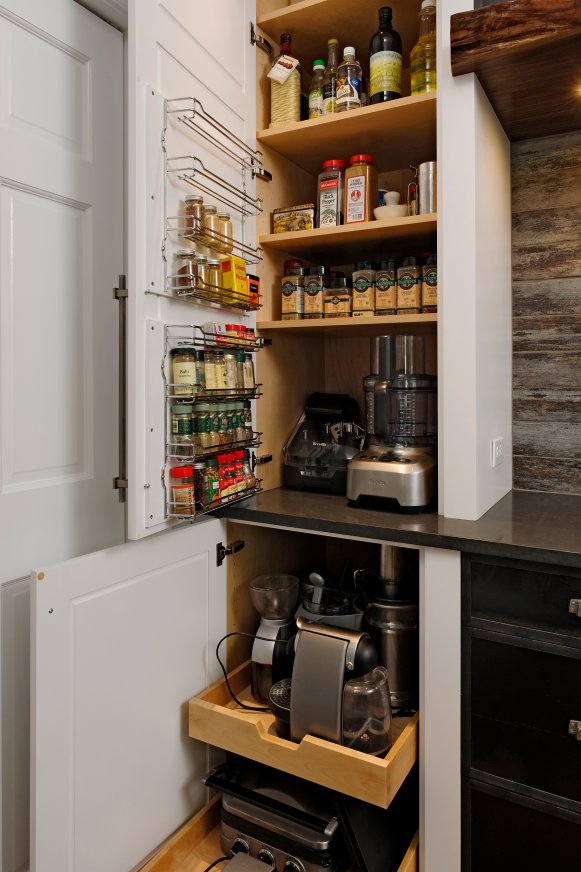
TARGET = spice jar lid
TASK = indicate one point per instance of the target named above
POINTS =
(365, 264)
(319, 65)
(212, 462)
(360, 158)
(182, 410)
(182, 349)
(201, 258)
(223, 214)
(200, 464)
(182, 472)
(202, 407)
(333, 164)
(240, 356)
(185, 252)
(211, 210)
(387, 264)
(194, 198)
(213, 262)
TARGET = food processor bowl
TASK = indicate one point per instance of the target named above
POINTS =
(274, 596)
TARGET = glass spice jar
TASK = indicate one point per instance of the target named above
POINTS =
(183, 371)
(182, 432)
(225, 230)
(214, 277)
(210, 370)
(200, 370)
(186, 271)
(182, 490)
(220, 371)
(194, 211)
(199, 485)
(211, 236)
(211, 482)
(240, 358)
(230, 368)
(202, 272)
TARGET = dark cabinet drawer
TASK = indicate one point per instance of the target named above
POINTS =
(507, 833)
(522, 696)
(528, 597)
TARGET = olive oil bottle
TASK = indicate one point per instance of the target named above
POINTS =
(385, 61)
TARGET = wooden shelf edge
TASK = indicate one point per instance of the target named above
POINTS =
(360, 775)
(193, 846)
(411, 861)
(349, 325)
(365, 230)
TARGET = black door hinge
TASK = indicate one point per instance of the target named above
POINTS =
(224, 551)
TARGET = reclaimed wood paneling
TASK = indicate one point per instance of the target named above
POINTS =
(546, 181)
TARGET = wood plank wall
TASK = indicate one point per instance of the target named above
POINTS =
(546, 245)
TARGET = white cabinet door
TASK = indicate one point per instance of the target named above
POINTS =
(122, 639)
(176, 49)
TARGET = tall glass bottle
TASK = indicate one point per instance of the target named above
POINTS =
(348, 81)
(285, 97)
(316, 91)
(423, 56)
(330, 79)
(385, 61)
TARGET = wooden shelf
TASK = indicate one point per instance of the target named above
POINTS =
(197, 844)
(215, 719)
(397, 134)
(375, 326)
(527, 56)
(312, 22)
(352, 242)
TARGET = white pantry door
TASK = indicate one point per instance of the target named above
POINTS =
(122, 639)
(61, 250)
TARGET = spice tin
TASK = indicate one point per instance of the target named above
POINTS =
(409, 286)
(293, 218)
(430, 284)
(293, 298)
(385, 288)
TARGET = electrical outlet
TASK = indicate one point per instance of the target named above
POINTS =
(497, 456)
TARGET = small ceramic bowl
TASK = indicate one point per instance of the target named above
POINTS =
(397, 211)
(391, 198)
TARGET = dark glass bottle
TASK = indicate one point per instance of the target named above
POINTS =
(385, 61)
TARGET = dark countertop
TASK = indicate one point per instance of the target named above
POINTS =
(526, 525)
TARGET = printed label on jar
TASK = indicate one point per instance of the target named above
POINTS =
(385, 72)
(408, 289)
(363, 296)
(429, 287)
(316, 103)
(330, 97)
(314, 299)
(337, 305)
(183, 496)
(349, 92)
(329, 203)
(356, 199)
(293, 296)
(385, 293)
(184, 374)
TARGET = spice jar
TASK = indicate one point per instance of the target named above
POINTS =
(330, 194)
(194, 210)
(240, 358)
(363, 289)
(211, 236)
(214, 277)
(182, 432)
(200, 370)
(199, 485)
(213, 425)
(210, 370)
(200, 427)
(183, 371)
(182, 490)
(409, 285)
(202, 267)
(360, 189)
(220, 371)
(240, 433)
(430, 284)
(230, 370)
(211, 482)
(186, 271)
(385, 288)
(225, 230)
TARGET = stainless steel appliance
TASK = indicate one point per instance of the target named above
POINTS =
(400, 462)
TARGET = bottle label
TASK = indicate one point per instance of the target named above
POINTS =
(184, 376)
(349, 92)
(429, 286)
(314, 298)
(330, 97)
(316, 103)
(409, 286)
(363, 296)
(329, 203)
(356, 199)
(282, 68)
(385, 72)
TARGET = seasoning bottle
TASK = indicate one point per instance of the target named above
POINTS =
(293, 291)
(316, 92)
(194, 211)
(220, 371)
(330, 78)
(385, 61)
(214, 277)
(211, 482)
(430, 284)
(385, 288)
(225, 230)
(360, 189)
(248, 420)
(249, 477)
(211, 236)
(182, 430)
(182, 490)
(183, 369)
(348, 81)
(210, 370)
(285, 96)
(423, 54)
(199, 469)
(240, 358)
(200, 369)
(249, 379)
(330, 194)
(409, 285)
(363, 296)
(200, 427)
(230, 371)
(202, 272)
(239, 430)
(186, 271)
(338, 296)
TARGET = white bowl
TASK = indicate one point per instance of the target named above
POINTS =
(383, 212)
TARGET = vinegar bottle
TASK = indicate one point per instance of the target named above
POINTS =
(348, 81)
(423, 56)
(285, 98)
(330, 79)
(316, 92)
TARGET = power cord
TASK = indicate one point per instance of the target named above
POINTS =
(250, 708)
(215, 863)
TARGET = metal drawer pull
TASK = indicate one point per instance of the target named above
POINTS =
(575, 607)
(575, 729)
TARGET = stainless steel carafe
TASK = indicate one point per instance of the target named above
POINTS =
(426, 181)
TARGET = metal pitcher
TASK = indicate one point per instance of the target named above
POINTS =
(425, 187)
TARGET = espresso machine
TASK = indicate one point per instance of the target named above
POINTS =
(399, 462)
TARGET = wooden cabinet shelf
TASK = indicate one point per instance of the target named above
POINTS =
(354, 327)
(409, 124)
(352, 242)
(526, 56)
(215, 719)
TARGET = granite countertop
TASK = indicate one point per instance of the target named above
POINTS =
(524, 524)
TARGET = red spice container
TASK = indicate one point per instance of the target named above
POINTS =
(182, 490)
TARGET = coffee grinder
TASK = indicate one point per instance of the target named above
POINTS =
(274, 598)
(399, 462)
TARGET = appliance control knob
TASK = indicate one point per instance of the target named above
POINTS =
(291, 865)
(266, 856)
(240, 846)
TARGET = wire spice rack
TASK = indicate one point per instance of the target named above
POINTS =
(193, 511)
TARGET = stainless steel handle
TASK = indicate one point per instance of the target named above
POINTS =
(575, 729)
(575, 607)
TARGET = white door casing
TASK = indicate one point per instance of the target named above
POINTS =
(61, 250)
(122, 639)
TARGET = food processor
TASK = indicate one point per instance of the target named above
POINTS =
(399, 464)
(274, 598)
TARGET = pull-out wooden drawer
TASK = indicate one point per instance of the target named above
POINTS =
(215, 719)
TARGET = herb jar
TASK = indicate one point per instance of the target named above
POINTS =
(182, 490)
(200, 370)
(200, 426)
(225, 230)
(249, 379)
(199, 485)
(214, 277)
(182, 433)
(210, 370)
(186, 271)
(220, 371)
(211, 236)
(183, 371)
(211, 482)
(240, 433)
(194, 211)
(202, 279)
(231, 371)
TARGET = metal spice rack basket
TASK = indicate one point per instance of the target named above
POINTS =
(193, 335)
(192, 171)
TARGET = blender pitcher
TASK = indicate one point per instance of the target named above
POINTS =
(367, 713)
